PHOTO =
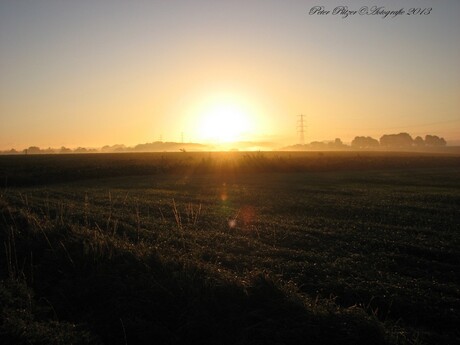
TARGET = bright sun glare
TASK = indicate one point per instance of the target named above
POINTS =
(224, 122)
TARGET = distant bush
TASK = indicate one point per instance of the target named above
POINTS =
(434, 140)
(364, 142)
(401, 140)
(418, 142)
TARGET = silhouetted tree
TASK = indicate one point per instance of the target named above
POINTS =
(400, 140)
(317, 145)
(80, 150)
(65, 150)
(9, 152)
(434, 140)
(364, 142)
(418, 141)
(337, 144)
(33, 150)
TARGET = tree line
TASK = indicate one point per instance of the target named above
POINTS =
(401, 140)
(387, 141)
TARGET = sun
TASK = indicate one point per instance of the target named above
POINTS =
(224, 122)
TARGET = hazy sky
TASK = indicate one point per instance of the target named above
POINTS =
(96, 72)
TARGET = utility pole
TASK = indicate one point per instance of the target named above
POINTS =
(301, 129)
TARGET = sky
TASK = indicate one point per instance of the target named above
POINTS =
(98, 72)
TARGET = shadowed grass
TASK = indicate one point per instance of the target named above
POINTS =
(112, 288)
(235, 258)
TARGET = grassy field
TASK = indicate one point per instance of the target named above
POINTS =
(230, 248)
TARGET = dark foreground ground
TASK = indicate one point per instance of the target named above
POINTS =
(261, 248)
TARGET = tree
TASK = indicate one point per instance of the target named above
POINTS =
(364, 142)
(33, 150)
(317, 145)
(435, 141)
(65, 150)
(400, 140)
(336, 144)
(80, 150)
(418, 141)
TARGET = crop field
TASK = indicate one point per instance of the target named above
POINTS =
(230, 248)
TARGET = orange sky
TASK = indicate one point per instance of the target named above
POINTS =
(97, 72)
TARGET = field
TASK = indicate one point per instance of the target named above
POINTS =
(230, 248)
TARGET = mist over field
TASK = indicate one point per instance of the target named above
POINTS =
(388, 142)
